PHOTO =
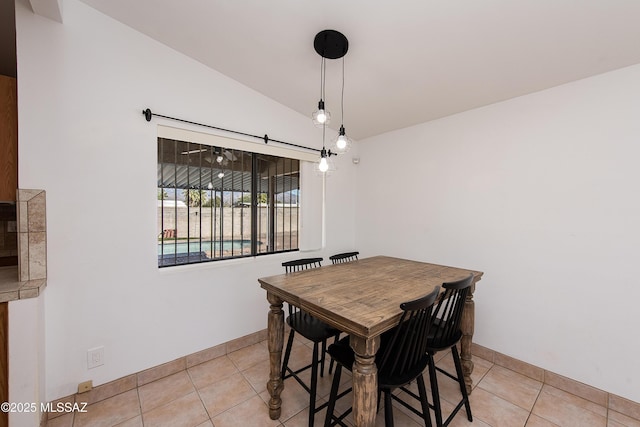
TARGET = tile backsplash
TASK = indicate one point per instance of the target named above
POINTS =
(32, 235)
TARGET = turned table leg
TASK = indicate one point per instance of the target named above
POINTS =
(365, 380)
(275, 325)
(467, 327)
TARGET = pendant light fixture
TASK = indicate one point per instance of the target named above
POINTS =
(321, 116)
(342, 143)
(329, 44)
(325, 164)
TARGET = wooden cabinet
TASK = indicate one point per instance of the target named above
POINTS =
(8, 138)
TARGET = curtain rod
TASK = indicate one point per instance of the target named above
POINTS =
(148, 114)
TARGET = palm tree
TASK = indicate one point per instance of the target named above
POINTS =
(195, 198)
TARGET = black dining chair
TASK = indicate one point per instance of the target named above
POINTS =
(401, 359)
(339, 259)
(445, 334)
(344, 257)
(312, 329)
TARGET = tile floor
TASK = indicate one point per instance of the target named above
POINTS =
(231, 391)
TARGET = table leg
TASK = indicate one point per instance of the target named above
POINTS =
(365, 380)
(275, 325)
(467, 327)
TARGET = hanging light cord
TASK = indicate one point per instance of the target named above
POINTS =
(342, 96)
(324, 126)
(148, 114)
(323, 73)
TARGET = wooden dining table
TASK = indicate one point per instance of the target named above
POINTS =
(361, 298)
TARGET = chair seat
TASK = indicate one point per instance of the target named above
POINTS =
(400, 359)
(310, 327)
(342, 353)
(438, 340)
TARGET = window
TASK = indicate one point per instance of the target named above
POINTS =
(216, 202)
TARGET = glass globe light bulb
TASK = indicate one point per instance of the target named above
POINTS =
(321, 116)
(342, 143)
(323, 166)
(220, 174)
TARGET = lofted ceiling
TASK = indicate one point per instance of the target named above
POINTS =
(409, 61)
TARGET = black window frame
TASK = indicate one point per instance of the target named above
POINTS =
(193, 167)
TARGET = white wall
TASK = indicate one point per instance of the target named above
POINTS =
(82, 86)
(26, 359)
(540, 193)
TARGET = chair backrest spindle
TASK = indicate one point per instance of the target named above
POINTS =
(344, 257)
(448, 313)
(406, 345)
(299, 265)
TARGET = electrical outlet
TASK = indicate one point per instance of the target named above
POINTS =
(85, 386)
(95, 357)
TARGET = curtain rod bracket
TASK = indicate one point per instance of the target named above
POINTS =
(147, 114)
(266, 138)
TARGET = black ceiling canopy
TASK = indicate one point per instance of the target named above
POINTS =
(331, 44)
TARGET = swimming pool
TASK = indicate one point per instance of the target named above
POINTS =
(170, 248)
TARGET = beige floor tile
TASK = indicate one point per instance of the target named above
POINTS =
(231, 391)
(519, 366)
(164, 370)
(448, 389)
(110, 389)
(249, 356)
(225, 394)
(617, 419)
(447, 408)
(301, 419)
(400, 412)
(576, 388)
(536, 421)
(297, 339)
(461, 420)
(258, 376)
(511, 386)
(300, 356)
(294, 399)
(496, 411)
(324, 383)
(253, 412)
(566, 410)
(574, 400)
(133, 422)
(206, 355)
(64, 401)
(400, 419)
(480, 369)
(110, 412)
(342, 406)
(444, 360)
(165, 390)
(209, 372)
(243, 342)
(187, 411)
(624, 406)
(65, 420)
